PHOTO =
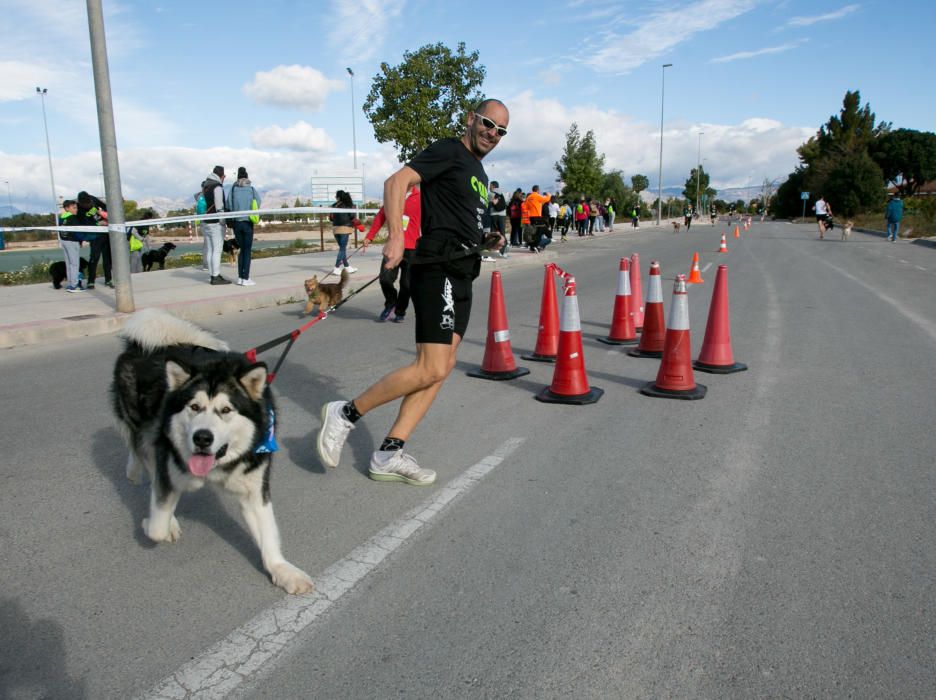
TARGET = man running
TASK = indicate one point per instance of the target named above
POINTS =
(447, 260)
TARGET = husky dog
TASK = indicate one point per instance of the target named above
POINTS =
(324, 295)
(191, 412)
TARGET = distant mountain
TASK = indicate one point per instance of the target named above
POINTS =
(272, 199)
(728, 194)
(6, 211)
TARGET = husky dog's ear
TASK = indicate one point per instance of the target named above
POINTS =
(254, 380)
(176, 375)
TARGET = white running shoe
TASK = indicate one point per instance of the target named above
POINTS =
(336, 271)
(333, 433)
(239, 281)
(248, 283)
(351, 269)
(396, 465)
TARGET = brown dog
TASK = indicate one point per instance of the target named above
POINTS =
(676, 226)
(847, 229)
(324, 295)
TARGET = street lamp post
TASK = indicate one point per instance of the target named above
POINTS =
(353, 135)
(42, 93)
(698, 173)
(660, 174)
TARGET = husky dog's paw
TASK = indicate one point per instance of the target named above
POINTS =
(134, 471)
(171, 534)
(291, 579)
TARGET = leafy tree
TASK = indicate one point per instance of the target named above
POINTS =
(639, 183)
(613, 186)
(297, 203)
(787, 203)
(689, 189)
(424, 98)
(580, 167)
(906, 156)
(854, 184)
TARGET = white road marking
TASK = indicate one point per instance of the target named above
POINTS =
(250, 648)
(706, 268)
(920, 268)
(905, 262)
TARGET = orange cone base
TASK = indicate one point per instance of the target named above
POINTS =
(547, 395)
(719, 369)
(498, 376)
(536, 357)
(612, 341)
(650, 389)
(637, 352)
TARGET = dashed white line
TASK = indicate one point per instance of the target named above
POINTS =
(706, 268)
(920, 268)
(246, 650)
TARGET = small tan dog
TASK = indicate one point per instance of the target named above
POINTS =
(847, 229)
(676, 226)
(324, 295)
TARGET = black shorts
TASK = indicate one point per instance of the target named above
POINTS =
(442, 303)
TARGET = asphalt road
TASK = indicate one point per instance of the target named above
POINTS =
(776, 539)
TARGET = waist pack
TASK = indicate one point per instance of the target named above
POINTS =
(450, 255)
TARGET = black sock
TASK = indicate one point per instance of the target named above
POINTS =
(349, 411)
(391, 444)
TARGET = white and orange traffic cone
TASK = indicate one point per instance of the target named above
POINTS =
(637, 302)
(547, 339)
(723, 248)
(675, 379)
(654, 331)
(695, 277)
(622, 318)
(570, 383)
(499, 362)
(716, 356)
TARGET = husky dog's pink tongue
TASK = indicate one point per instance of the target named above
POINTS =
(200, 465)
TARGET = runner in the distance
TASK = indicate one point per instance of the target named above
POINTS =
(454, 197)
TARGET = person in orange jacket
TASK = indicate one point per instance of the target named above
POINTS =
(393, 300)
(534, 208)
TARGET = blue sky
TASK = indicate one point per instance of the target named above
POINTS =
(264, 85)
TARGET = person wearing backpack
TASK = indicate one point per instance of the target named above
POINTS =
(213, 191)
(243, 197)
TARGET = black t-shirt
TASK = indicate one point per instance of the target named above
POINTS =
(454, 191)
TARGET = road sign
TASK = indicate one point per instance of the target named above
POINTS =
(325, 186)
(804, 195)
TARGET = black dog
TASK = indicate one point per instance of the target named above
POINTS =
(157, 257)
(60, 274)
(230, 248)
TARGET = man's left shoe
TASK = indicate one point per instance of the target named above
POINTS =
(398, 466)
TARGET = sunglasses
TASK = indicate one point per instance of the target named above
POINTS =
(488, 124)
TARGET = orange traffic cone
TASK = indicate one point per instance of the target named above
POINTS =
(675, 379)
(498, 360)
(737, 233)
(723, 248)
(570, 383)
(622, 319)
(636, 292)
(547, 340)
(695, 277)
(716, 356)
(654, 330)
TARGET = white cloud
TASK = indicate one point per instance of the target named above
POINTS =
(658, 33)
(20, 80)
(759, 52)
(828, 17)
(299, 87)
(358, 26)
(301, 136)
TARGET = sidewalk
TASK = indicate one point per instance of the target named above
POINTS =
(39, 314)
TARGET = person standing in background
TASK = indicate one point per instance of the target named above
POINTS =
(893, 214)
(94, 211)
(394, 301)
(213, 229)
(498, 208)
(241, 198)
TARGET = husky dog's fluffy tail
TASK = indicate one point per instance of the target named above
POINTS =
(152, 329)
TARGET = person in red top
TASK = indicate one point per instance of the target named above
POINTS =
(393, 300)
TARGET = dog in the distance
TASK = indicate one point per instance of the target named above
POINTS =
(676, 226)
(847, 229)
(157, 257)
(59, 272)
(230, 248)
(193, 412)
(324, 294)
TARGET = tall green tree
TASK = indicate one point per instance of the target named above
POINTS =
(581, 166)
(639, 183)
(613, 186)
(907, 158)
(424, 98)
(689, 189)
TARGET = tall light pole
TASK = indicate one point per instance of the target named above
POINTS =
(660, 174)
(353, 136)
(698, 172)
(42, 93)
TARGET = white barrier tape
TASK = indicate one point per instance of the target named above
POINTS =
(193, 217)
